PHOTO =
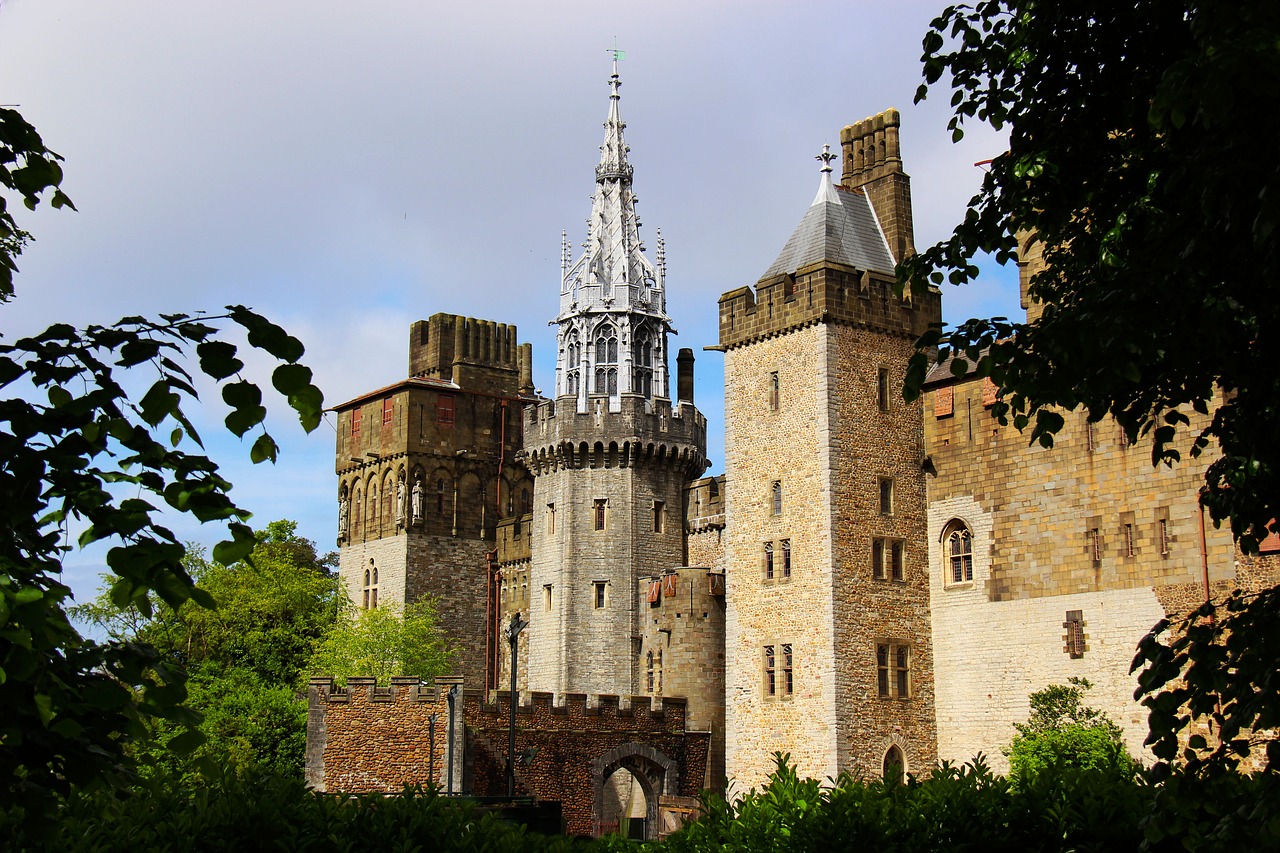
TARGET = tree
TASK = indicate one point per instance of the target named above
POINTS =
(1142, 156)
(75, 447)
(383, 642)
(243, 659)
(1063, 732)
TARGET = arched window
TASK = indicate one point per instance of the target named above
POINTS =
(958, 547)
(371, 587)
(895, 766)
(572, 358)
(777, 497)
(642, 364)
(526, 502)
(606, 360)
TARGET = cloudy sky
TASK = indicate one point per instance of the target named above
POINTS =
(349, 168)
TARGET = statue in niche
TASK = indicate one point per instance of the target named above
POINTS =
(416, 504)
(343, 516)
(400, 502)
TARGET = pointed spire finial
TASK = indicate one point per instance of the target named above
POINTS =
(826, 157)
(618, 56)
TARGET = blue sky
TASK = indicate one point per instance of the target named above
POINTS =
(347, 169)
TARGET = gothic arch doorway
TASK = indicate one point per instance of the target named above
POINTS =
(628, 779)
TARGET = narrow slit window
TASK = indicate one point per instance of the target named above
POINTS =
(882, 388)
(770, 672)
(786, 558)
(897, 570)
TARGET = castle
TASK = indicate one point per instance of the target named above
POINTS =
(871, 586)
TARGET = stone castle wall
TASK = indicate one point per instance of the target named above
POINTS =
(870, 444)
(1033, 513)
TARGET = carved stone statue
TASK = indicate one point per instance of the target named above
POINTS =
(400, 502)
(343, 516)
(417, 499)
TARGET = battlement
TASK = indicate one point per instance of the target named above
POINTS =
(474, 354)
(580, 711)
(634, 434)
(824, 292)
(870, 148)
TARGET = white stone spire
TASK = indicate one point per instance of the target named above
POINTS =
(613, 323)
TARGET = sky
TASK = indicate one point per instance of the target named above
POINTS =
(347, 169)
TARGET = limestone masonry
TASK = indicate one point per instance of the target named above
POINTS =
(872, 586)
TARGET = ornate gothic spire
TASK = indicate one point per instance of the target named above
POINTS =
(612, 288)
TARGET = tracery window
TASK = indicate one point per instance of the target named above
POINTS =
(642, 364)
(959, 554)
(606, 378)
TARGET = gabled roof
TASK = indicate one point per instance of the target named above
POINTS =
(839, 226)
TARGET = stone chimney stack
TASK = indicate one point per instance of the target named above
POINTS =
(684, 376)
(872, 162)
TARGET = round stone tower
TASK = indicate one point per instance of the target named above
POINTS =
(611, 454)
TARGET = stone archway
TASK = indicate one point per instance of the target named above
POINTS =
(656, 773)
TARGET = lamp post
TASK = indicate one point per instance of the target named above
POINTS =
(513, 636)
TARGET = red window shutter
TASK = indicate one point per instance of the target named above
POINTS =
(717, 584)
(669, 586)
(655, 593)
(944, 401)
(989, 392)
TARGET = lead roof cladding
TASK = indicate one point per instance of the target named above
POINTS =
(839, 226)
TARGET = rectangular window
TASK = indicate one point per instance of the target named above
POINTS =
(357, 415)
(1164, 536)
(1089, 442)
(602, 506)
(902, 671)
(1075, 633)
(546, 597)
(877, 559)
(788, 678)
(1124, 438)
(1128, 540)
(896, 570)
(1095, 545)
(786, 558)
(388, 411)
(551, 519)
(775, 391)
(770, 672)
(776, 490)
(601, 594)
(893, 670)
(768, 561)
(882, 389)
(444, 410)
(659, 516)
(886, 496)
(882, 670)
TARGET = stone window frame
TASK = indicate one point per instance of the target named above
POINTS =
(659, 516)
(775, 391)
(370, 589)
(1075, 641)
(885, 488)
(775, 498)
(1163, 537)
(894, 757)
(777, 669)
(601, 514)
(893, 669)
(957, 532)
(1094, 542)
(888, 559)
(883, 402)
(600, 595)
(767, 558)
(786, 559)
(546, 597)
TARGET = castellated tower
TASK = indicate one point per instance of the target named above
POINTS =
(426, 468)
(828, 652)
(611, 455)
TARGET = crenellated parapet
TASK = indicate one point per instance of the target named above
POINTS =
(635, 435)
(581, 711)
(825, 292)
(704, 502)
(471, 353)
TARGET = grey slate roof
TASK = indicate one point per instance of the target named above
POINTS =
(839, 226)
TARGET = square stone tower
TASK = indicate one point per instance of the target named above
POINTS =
(828, 652)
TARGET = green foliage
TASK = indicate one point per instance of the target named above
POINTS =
(273, 813)
(383, 642)
(965, 808)
(29, 169)
(1063, 732)
(1142, 155)
(244, 658)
